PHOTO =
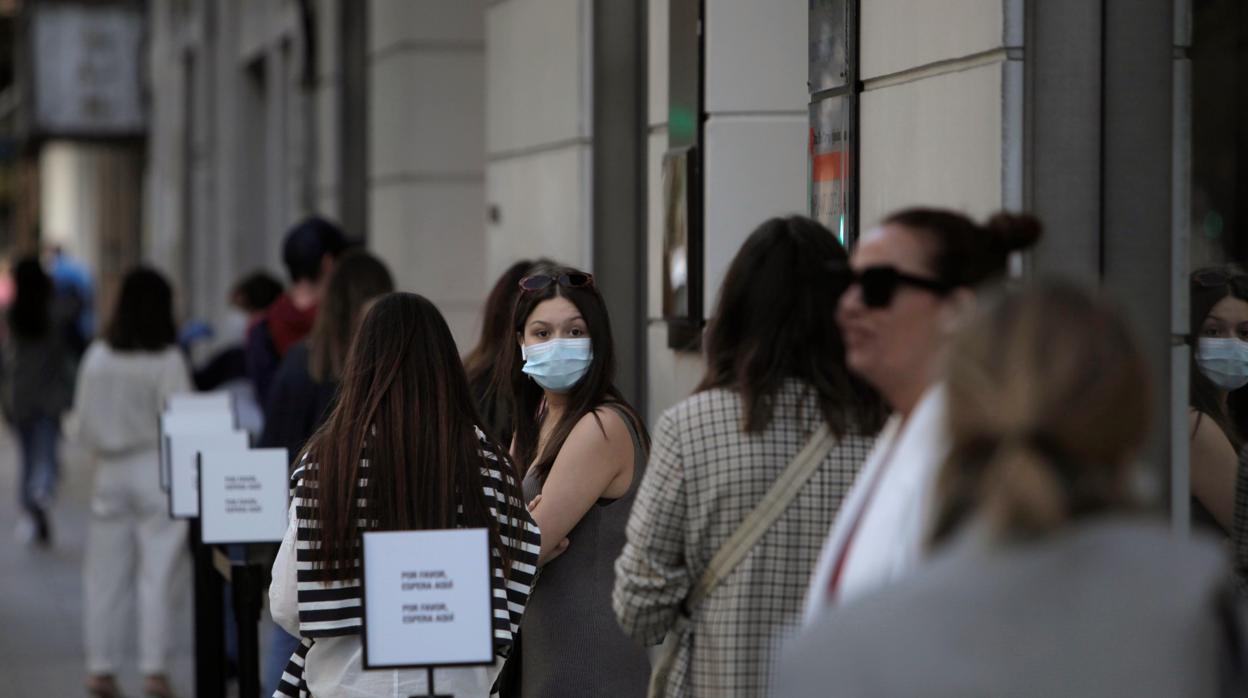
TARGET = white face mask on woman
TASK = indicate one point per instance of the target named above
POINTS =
(1223, 361)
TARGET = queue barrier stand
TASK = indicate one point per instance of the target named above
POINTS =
(213, 570)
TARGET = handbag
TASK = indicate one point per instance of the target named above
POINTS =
(781, 493)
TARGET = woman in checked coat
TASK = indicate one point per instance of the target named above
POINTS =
(775, 372)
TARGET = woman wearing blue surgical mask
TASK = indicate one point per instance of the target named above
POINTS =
(582, 450)
(1219, 317)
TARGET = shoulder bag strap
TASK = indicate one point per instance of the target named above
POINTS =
(756, 523)
(759, 520)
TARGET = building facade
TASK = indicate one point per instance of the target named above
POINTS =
(456, 136)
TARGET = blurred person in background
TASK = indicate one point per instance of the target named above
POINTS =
(402, 444)
(488, 388)
(306, 384)
(309, 251)
(1219, 368)
(582, 450)
(1045, 578)
(250, 297)
(133, 546)
(75, 293)
(913, 277)
(37, 383)
(776, 381)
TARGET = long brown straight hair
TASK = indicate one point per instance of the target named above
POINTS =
(596, 389)
(404, 405)
(356, 279)
(489, 388)
(774, 322)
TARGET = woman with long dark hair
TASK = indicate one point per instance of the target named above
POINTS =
(1219, 368)
(403, 447)
(582, 449)
(306, 383)
(36, 383)
(775, 380)
(490, 390)
(132, 544)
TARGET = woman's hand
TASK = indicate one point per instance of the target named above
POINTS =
(558, 549)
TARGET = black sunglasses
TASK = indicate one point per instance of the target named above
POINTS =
(1211, 278)
(880, 284)
(573, 279)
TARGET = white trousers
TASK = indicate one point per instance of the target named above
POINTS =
(133, 547)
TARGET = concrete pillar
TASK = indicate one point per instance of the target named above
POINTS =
(426, 75)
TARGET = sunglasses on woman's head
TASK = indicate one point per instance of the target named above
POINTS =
(1210, 278)
(879, 285)
(574, 279)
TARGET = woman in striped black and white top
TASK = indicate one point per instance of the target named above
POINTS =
(401, 451)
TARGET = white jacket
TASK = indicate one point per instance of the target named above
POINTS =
(893, 515)
(120, 396)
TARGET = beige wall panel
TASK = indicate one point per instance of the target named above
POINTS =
(537, 73)
(392, 22)
(427, 114)
(327, 146)
(429, 235)
(329, 205)
(543, 205)
(671, 376)
(328, 30)
(657, 61)
(756, 55)
(936, 141)
(657, 145)
(902, 34)
(755, 169)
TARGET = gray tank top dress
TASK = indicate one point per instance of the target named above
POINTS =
(571, 643)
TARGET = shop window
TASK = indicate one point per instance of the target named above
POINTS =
(834, 89)
(1218, 226)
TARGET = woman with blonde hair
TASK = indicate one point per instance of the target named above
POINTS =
(1046, 578)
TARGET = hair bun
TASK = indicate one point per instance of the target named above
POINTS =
(1014, 231)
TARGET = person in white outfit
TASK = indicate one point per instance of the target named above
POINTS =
(913, 277)
(132, 543)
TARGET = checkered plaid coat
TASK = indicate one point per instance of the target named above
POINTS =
(703, 477)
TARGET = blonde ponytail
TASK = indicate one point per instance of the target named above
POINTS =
(1023, 496)
(1048, 403)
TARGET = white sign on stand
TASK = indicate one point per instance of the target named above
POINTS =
(200, 402)
(427, 599)
(193, 422)
(184, 450)
(243, 496)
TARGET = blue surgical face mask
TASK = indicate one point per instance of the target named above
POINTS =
(559, 364)
(1223, 361)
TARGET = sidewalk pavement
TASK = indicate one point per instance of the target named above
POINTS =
(41, 653)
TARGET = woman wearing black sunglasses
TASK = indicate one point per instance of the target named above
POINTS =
(581, 449)
(910, 280)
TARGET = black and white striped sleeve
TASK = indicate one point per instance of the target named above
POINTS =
(521, 537)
